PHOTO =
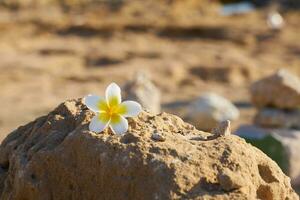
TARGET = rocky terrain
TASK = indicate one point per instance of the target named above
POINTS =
(276, 123)
(180, 57)
(56, 157)
(55, 51)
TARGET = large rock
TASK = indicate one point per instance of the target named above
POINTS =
(209, 110)
(280, 90)
(56, 157)
(142, 90)
(278, 118)
(282, 145)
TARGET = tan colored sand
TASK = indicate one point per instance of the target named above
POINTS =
(48, 55)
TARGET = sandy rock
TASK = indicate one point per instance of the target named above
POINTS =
(280, 90)
(277, 118)
(142, 90)
(230, 180)
(56, 157)
(282, 145)
(209, 110)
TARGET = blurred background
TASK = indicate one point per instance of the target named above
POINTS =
(193, 58)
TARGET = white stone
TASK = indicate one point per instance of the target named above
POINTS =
(275, 21)
(209, 110)
(142, 90)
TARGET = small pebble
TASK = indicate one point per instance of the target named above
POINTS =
(223, 129)
(275, 21)
(158, 137)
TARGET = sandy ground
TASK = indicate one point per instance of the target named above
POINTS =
(48, 56)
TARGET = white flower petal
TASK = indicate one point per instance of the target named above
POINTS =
(113, 94)
(119, 124)
(93, 101)
(130, 108)
(99, 122)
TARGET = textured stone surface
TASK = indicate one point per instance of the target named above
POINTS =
(280, 90)
(56, 157)
(209, 110)
(280, 144)
(278, 118)
(142, 90)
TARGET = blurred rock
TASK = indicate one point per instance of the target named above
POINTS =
(232, 67)
(277, 118)
(275, 21)
(237, 8)
(176, 71)
(250, 132)
(280, 90)
(282, 145)
(209, 110)
(290, 139)
(142, 90)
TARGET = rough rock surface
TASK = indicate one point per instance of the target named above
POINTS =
(282, 145)
(278, 118)
(56, 157)
(142, 90)
(280, 90)
(209, 110)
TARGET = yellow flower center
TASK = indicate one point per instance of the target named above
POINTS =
(111, 110)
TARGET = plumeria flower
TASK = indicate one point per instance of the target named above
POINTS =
(110, 111)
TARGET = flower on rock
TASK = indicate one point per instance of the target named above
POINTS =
(111, 111)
